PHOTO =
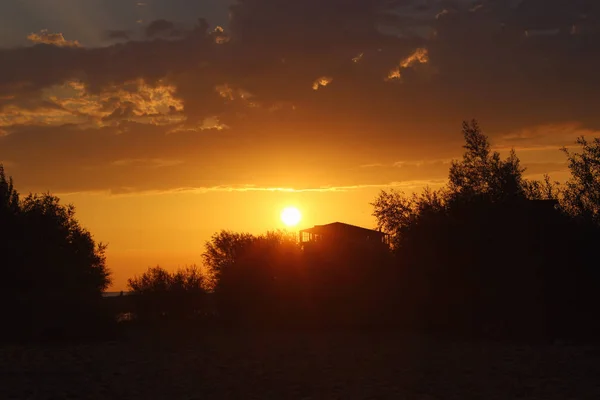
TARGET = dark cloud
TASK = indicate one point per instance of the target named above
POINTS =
(257, 78)
(88, 20)
(561, 14)
(119, 34)
(161, 27)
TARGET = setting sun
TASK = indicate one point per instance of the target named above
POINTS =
(291, 216)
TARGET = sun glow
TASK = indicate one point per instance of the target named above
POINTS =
(291, 216)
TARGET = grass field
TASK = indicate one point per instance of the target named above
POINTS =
(298, 366)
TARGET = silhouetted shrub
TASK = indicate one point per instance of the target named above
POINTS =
(159, 294)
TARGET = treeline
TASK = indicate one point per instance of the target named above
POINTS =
(494, 254)
(270, 280)
(490, 254)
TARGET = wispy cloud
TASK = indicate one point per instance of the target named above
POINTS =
(147, 163)
(118, 34)
(373, 165)
(477, 7)
(422, 163)
(544, 137)
(442, 13)
(411, 163)
(130, 191)
(211, 123)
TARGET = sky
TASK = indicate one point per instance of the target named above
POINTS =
(164, 121)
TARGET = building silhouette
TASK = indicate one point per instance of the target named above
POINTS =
(340, 232)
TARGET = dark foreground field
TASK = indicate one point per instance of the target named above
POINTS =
(298, 366)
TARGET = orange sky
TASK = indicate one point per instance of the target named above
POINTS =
(163, 129)
(170, 229)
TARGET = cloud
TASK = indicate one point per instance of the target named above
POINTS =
(420, 56)
(477, 7)
(253, 188)
(442, 13)
(43, 115)
(161, 27)
(207, 124)
(404, 186)
(220, 36)
(119, 34)
(74, 111)
(372, 165)
(322, 82)
(422, 163)
(545, 137)
(147, 163)
(72, 103)
(56, 39)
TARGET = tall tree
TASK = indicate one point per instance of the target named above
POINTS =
(9, 197)
(482, 173)
(53, 271)
(60, 249)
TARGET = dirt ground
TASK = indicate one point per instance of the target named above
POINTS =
(298, 366)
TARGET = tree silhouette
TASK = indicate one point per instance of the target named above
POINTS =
(543, 190)
(490, 254)
(254, 277)
(397, 213)
(482, 173)
(485, 256)
(53, 271)
(582, 192)
(222, 250)
(271, 279)
(9, 197)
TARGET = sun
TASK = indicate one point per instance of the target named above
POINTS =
(291, 216)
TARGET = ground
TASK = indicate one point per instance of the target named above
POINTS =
(298, 366)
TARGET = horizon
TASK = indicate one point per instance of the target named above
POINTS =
(163, 129)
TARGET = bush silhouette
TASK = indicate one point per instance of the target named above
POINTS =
(159, 294)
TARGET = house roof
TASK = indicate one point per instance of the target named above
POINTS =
(340, 226)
